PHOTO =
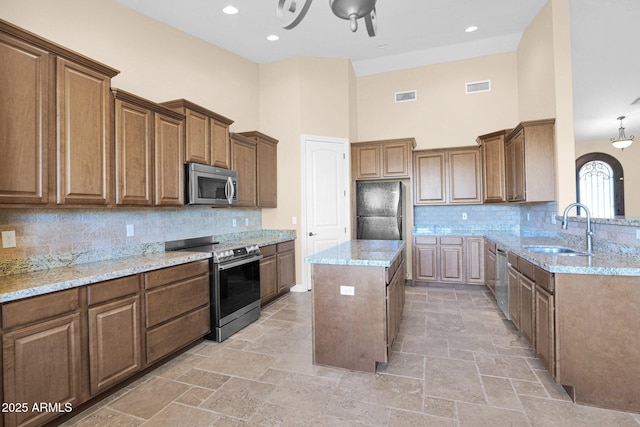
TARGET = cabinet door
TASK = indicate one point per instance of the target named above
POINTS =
(527, 308)
(490, 273)
(545, 329)
(514, 297)
(42, 363)
(426, 263)
(286, 271)
(475, 260)
(243, 160)
(169, 163)
(220, 144)
(464, 177)
(25, 117)
(367, 161)
(429, 182)
(198, 138)
(114, 342)
(515, 168)
(493, 169)
(395, 160)
(267, 174)
(451, 263)
(84, 147)
(133, 145)
(268, 277)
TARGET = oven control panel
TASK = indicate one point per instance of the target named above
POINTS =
(235, 253)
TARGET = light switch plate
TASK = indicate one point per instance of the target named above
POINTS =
(638, 234)
(9, 239)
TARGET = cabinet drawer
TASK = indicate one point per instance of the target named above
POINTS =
(39, 308)
(426, 240)
(174, 300)
(286, 246)
(490, 246)
(171, 336)
(450, 240)
(268, 250)
(525, 267)
(105, 291)
(512, 259)
(544, 279)
(164, 276)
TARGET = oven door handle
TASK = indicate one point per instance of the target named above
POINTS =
(226, 266)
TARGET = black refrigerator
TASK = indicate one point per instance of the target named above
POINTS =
(379, 210)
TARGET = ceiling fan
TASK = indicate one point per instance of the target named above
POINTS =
(291, 12)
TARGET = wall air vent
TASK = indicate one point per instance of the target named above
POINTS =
(407, 96)
(475, 87)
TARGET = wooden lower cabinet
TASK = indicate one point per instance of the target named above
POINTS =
(545, 329)
(448, 259)
(490, 271)
(527, 296)
(514, 296)
(176, 308)
(277, 270)
(115, 346)
(42, 356)
(63, 348)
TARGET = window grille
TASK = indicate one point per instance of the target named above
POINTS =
(595, 184)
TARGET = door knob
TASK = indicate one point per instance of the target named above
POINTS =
(312, 234)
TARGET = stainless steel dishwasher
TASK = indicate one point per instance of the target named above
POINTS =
(502, 280)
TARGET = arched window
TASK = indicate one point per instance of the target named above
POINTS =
(600, 184)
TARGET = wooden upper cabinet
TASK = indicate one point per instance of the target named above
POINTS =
(84, 145)
(206, 134)
(267, 168)
(430, 178)
(530, 162)
(447, 176)
(25, 117)
(492, 150)
(41, 81)
(148, 146)
(387, 159)
(243, 160)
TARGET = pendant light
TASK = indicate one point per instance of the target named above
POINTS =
(291, 12)
(622, 141)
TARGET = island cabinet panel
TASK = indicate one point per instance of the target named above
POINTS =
(25, 119)
(598, 355)
(349, 330)
(42, 355)
(84, 150)
(176, 310)
(115, 344)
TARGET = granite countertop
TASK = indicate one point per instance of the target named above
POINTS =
(604, 263)
(372, 253)
(601, 262)
(24, 285)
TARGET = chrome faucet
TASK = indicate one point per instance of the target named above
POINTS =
(590, 233)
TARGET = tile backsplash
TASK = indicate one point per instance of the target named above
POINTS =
(57, 237)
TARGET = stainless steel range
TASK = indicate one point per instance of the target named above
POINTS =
(234, 280)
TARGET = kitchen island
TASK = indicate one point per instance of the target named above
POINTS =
(358, 297)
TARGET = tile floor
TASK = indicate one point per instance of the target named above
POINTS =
(456, 362)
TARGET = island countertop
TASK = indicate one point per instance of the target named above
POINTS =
(373, 253)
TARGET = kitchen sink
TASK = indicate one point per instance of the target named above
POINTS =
(555, 250)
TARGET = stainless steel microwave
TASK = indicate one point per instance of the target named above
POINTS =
(208, 185)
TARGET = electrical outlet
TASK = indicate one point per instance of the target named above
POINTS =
(553, 218)
(130, 230)
(464, 216)
(638, 234)
(347, 290)
(246, 222)
(528, 216)
(234, 222)
(9, 239)
(294, 220)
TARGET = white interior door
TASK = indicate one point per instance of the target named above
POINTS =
(325, 196)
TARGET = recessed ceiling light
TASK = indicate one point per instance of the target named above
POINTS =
(470, 29)
(230, 10)
(273, 38)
